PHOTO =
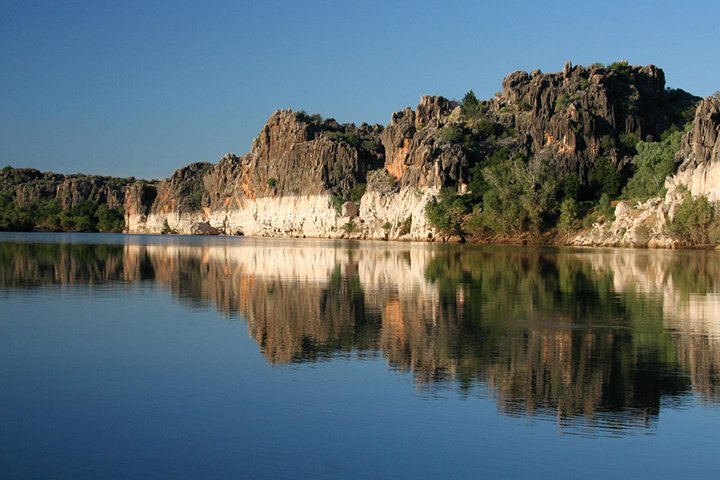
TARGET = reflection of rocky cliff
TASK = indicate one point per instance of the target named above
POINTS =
(575, 335)
(688, 287)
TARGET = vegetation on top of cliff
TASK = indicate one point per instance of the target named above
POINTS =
(364, 138)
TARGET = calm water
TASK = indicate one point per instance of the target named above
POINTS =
(186, 357)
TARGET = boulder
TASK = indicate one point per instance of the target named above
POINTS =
(203, 228)
(350, 209)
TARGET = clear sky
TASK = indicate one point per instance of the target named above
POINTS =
(140, 88)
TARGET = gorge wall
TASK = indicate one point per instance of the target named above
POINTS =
(306, 176)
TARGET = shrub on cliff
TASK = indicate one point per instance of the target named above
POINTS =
(356, 139)
(451, 133)
(696, 221)
(446, 213)
(166, 229)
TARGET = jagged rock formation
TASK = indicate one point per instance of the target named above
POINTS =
(575, 116)
(302, 169)
(700, 153)
(644, 224)
(28, 187)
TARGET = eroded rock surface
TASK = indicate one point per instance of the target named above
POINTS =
(308, 176)
(644, 224)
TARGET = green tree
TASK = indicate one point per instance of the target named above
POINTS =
(469, 101)
(477, 184)
(604, 179)
(653, 163)
(446, 213)
(570, 186)
(519, 197)
(568, 216)
(110, 219)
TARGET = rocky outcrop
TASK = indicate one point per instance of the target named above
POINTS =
(29, 187)
(573, 117)
(417, 154)
(308, 176)
(644, 224)
(639, 225)
(699, 171)
(298, 180)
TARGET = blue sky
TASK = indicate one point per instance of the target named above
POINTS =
(142, 88)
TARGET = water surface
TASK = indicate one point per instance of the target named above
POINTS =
(189, 357)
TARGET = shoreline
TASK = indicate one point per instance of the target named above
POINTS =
(479, 241)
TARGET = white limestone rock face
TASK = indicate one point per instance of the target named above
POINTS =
(639, 225)
(699, 172)
(288, 216)
(399, 215)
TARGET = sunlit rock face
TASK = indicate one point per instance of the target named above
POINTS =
(291, 184)
(301, 169)
(568, 115)
(591, 336)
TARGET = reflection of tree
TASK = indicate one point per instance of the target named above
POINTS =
(29, 264)
(567, 334)
(547, 332)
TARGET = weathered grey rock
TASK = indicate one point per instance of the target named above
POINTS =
(699, 157)
(702, 143)
(573, 117)
(432, 110)
(415, 152)
(204, 228)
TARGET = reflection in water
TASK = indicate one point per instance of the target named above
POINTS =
(592, 338)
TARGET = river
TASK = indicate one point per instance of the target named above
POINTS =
(128, 356)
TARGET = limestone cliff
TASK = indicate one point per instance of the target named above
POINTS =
(700, 153)
(574, 116)
(308, 176)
